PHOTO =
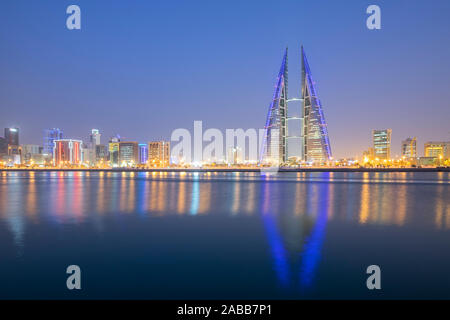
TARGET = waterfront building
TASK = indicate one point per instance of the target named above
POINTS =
(437, 149)
(143, 153)
(15, 154)
(101, 154)
(50, 135)
(95, 136)
(316, 141)
(90, 150)
(128, 153)
(113, 148)
(38, 159)
(274, 140)
(12, 136)
(382, 144)
(311, 140)
(3, 146)
(427, 161)
(29, 151)
(159, 153)
(409, 148)
(369, 155)
(67, 152)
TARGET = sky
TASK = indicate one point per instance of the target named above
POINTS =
(141, 69)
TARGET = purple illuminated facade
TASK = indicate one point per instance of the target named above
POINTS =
(274, 144)
(315, 134)
(313, 140)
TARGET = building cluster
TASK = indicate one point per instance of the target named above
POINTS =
(436, 153)
(295, 134)
(59, 152)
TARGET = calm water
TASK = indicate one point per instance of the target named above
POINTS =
(226, 235)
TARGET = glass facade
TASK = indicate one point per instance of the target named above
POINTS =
(274, 144)
(316, 141)
(409, 148)
(143, 153)
(128, 153)
(382, 144)
(50, 135)
(12, 136)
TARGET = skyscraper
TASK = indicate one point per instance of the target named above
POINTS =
(91, 148)
(67, 151)
(50, 135)
(12, 141)
(159, 153)
(409, 148)
(382, 143)
(273, 148)
(114, 151)
(316, 141)
(101, 154)
(128, 154)
(143, 153)
(3, 146)
(94, 138)
(311, 141)
(12, 136)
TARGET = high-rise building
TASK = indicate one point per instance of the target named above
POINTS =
(315, 133)
(90, 151)
(3, 146)
(95, 136)
(13, 150)
(409, 148)
(12, 136)
(382, 143)
(128, 153)
(437, 149)
(101, 154)
(274, 140)
(50, 135)
(114, 151)
(311, 140)
(159, 153)
(67, 152)
(143, 153)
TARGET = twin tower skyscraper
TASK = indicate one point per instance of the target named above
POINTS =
(295, 128)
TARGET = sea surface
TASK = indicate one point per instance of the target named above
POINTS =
(224, 235)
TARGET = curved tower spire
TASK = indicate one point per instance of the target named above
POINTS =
(274, 141)
(316, 142)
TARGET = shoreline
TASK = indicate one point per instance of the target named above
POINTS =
(230, 170)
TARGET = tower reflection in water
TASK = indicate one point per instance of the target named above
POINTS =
(293, 209)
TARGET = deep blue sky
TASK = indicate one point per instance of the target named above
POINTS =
(143, 68)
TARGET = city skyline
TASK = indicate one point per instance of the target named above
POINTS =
(232, 158)
(123, 90)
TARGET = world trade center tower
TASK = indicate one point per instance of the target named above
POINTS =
(310, 140)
